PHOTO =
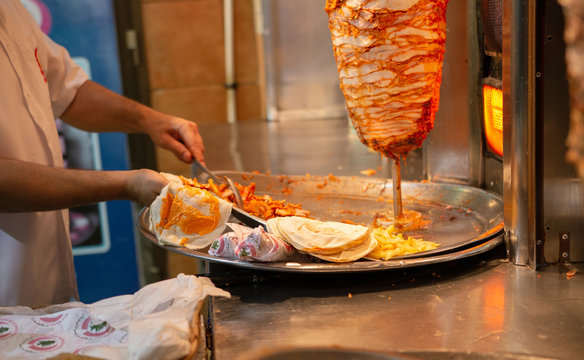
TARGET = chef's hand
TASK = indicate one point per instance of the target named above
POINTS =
(177, 135)
(144, 185)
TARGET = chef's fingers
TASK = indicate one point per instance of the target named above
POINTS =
(190, 137)
(184, 150)
(143, 186)
(174, 144)
(177, 135)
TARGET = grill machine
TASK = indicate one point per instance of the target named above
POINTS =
(503, 118)
(516, 47)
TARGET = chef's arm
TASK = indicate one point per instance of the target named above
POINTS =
(97, 109)
(26, 186)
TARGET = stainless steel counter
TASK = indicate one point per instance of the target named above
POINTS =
(482, 307)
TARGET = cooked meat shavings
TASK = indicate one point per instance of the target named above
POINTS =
(262, 206)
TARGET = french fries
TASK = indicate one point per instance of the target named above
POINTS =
(391, 244)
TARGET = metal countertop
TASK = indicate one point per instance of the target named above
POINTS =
(482, 306)
(476, 306)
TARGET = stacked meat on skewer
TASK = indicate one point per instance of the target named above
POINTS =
(389, 57)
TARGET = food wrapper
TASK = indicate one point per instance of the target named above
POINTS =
(188, 216)
(245, 243)
(224, 246)
(160, 321)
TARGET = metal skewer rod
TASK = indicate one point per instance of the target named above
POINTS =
(397, 196)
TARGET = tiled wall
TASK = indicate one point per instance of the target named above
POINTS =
(184, 47)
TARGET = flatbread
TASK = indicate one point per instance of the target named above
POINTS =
(318, 237)
(351, 254)
(188, 216)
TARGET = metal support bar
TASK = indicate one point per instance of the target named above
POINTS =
(519, 130)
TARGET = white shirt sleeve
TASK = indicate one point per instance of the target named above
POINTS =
(64, 76)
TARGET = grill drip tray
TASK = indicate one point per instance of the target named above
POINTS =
(465, 221)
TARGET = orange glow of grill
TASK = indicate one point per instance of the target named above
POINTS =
(493, 116)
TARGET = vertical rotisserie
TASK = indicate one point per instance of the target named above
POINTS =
(389, 57)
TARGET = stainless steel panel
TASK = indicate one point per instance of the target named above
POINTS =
(447, 150)
(563, 200)
(563, 215)
(301, 73)
(542, 194)
(493, 175)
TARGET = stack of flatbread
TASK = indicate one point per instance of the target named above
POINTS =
(187, 216)
(330, 241)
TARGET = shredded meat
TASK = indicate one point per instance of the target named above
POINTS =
(389, 57)
(261, 206)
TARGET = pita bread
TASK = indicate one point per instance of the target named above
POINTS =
(318, 237)
(351, 254)
(188, 216)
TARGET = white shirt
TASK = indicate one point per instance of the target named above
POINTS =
(38, 81)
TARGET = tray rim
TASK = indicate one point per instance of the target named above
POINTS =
(485, 242)
(363, 265)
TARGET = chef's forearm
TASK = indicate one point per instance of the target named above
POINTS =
(26, 186)
(98, 109)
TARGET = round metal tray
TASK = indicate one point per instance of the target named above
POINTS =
(465, 221)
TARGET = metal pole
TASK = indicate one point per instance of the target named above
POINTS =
(397, 196)
(519, 130)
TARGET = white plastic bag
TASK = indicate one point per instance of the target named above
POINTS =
(160, 321)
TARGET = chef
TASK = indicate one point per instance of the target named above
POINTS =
(38, 84)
